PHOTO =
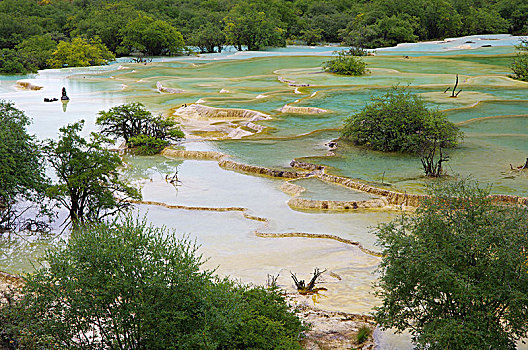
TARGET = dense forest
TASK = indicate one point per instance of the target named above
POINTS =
(57, 33)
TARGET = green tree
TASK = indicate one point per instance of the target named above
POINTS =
(11, 62)
(246, 25)
(519, 66)
(21, 170)
(104, 22)
(151, 37)
(80, 53)
(346, 63)
(15, 28)
(516, 12)
(140, 287)
(359, 33)
(455, 273)
(484, 21)
(138, 127)
(208, 38)
(326, 16)
(312, 36)
(88, 183)
(35, 51)
(399, 121)
(440, 19)
(395, 29)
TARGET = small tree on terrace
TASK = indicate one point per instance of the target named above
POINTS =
(455, 274)
(519, 66)
(138, 127)
(346, 63)
(88, 182)
(399, 121)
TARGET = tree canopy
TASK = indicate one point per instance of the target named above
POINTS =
(455, 273)
(35, 51)
(247, 25)
(21, 169)
(151, 37)
(88, 183)
(80, 53)
(129, 26)
(134, 123)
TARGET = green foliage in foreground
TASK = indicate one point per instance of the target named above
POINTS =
(455, 273)
(21, 166)
(346, 63)
(88, 183)
(519, 66)
(399, 121)
(134, 123)
(139, 287)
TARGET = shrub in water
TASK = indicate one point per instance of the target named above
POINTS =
(346, 63)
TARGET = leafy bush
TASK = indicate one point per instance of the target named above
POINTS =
(147, 145)
(455, 273)
(138, 127)
(132, 286)
(399, 121)
(346, 63)
(519, 66)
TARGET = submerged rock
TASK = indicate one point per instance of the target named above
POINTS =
(333, 330)
(161, 89)
(312, 204)
(198, 111)
(258, 170)
(302, 110)
(197, 155)
(27, 85)
(292, 189)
